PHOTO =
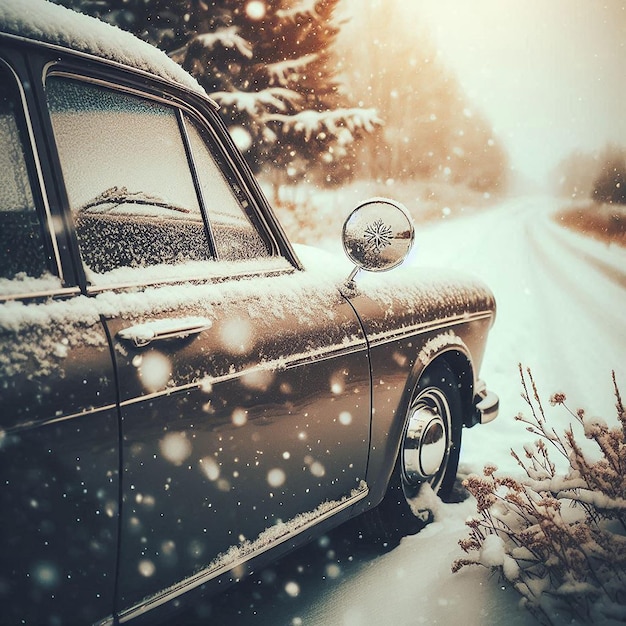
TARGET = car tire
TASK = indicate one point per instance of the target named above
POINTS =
(428, 454)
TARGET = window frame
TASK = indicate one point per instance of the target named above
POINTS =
(34, 169)
(231, 178)
(231, 170)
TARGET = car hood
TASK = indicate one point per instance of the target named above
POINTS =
(408, 296)
(419, 297)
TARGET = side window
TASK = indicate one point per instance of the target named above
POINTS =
(128, 182)
(236, 238)
(22, 252)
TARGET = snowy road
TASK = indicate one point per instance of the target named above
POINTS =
(561, 301)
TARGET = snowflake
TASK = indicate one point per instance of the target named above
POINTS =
(378, 235)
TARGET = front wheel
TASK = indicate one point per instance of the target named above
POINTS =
(429, 454)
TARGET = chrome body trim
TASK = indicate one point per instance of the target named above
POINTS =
(295, 360)
(69, 291)
(377, 339)
(56, 420)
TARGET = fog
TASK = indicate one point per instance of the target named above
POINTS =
(548, 76)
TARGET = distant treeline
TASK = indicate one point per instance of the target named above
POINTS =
(600, 176)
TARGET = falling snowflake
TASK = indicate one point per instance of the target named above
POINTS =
(345, 418)
(46, 574)
(378, 235)
(210, 467)
(276, 477)
(256, 10)
(175, 447)
(293, 589)
(154, 370)
(146, 568)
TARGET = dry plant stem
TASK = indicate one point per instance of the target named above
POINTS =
(556, 532)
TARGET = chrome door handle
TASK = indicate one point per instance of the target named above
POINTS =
(169, 328)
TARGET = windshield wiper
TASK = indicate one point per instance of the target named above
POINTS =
(120, 195)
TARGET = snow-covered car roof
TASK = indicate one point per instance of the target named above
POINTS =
(54, 24)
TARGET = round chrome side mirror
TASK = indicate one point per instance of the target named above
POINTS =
(378, 235)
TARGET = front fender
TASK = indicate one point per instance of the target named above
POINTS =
(409, 323)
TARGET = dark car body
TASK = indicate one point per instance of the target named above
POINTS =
(180, 398)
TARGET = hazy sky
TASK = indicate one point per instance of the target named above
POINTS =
(550, 74)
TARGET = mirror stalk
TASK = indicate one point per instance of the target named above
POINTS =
(350, 283)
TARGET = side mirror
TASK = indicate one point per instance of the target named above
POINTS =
(377, 236)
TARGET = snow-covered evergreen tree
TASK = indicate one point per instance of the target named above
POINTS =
(270, 66)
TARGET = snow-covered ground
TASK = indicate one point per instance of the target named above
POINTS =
(561, 299)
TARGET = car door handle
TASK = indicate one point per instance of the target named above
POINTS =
(169, 328)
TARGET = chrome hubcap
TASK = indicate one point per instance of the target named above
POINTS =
(425, 448)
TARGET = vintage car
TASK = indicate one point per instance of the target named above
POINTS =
(183, 397)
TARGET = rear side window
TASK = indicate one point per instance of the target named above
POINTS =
(145, 190)
(22, 252)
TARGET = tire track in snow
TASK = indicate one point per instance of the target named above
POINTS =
(589, 304)
(613, 268)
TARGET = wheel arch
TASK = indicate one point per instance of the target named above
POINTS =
(460, 363)
(456, 356)
(459, 360)
(450, 367)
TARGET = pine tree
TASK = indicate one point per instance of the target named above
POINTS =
(270, 67)
(316, 127)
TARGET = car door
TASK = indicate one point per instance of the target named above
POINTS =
(243, 382)
(58, 418)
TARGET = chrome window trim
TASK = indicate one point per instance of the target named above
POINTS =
(212, 572)
(193, 170)
(66, 291)
(232, 166)
(274, 248)
(213, 278)
(58, 270)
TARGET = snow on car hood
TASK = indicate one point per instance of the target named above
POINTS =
(420, 291)
(55, 24)
(404, 296)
